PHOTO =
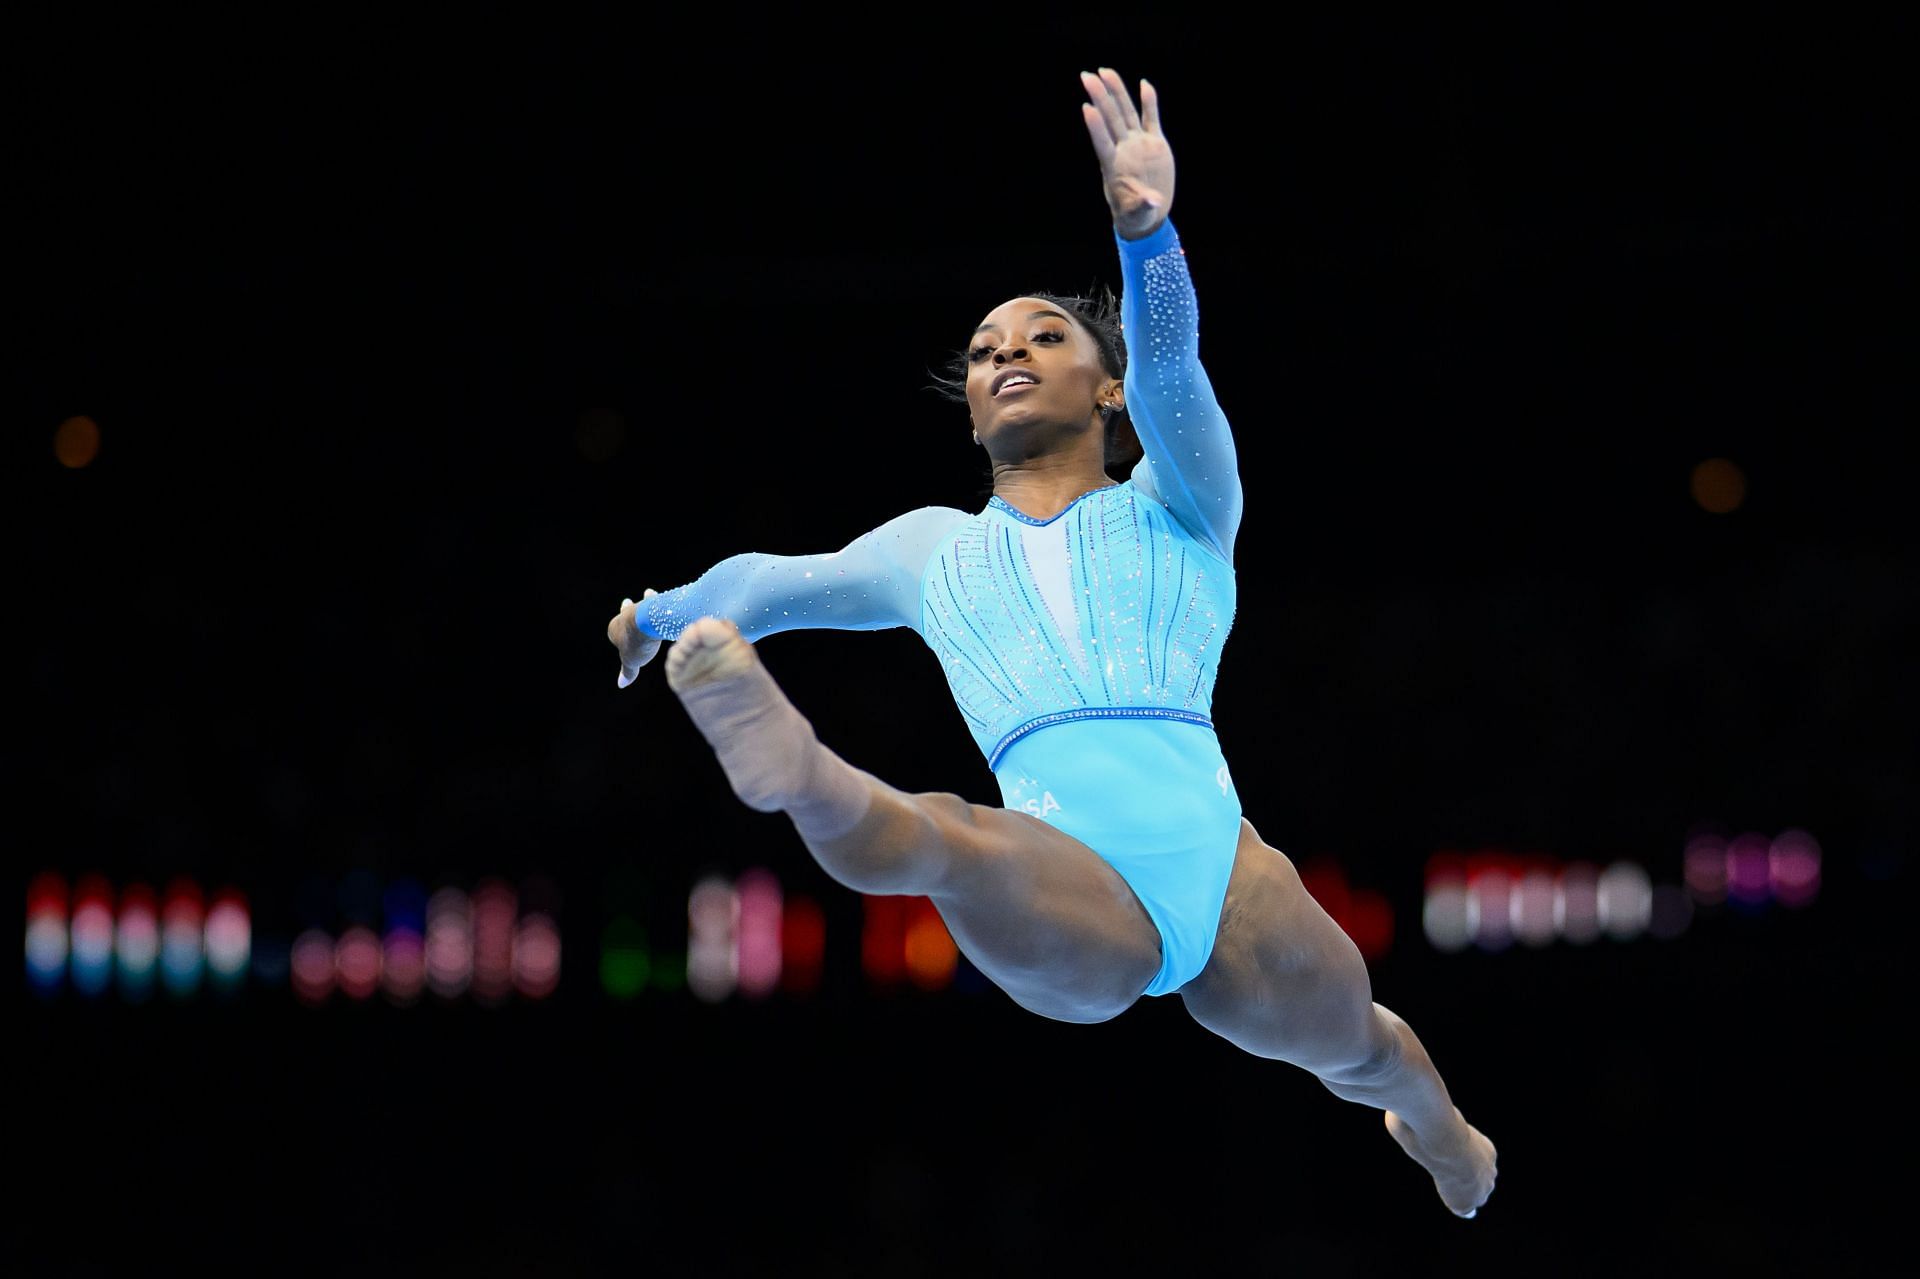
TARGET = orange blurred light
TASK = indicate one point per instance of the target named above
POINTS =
(931, 955)
(76, 442)
(1719, 486)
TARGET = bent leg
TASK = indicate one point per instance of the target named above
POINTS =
(1285, 982)
(1031, 907)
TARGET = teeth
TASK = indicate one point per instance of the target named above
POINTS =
(1018, 379)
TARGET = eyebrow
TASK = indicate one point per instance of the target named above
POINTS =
(1031, 315)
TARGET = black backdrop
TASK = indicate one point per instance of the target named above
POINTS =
(414, 350)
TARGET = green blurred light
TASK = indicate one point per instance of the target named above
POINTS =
(624, 962)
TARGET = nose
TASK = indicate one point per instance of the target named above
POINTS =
(1006, 353)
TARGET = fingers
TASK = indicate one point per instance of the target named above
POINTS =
(1150, 106)
(1108, 93)
(1110, 117)
(1122, 100)
(1097, 130)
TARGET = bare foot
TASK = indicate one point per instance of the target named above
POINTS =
(1463, 1170)
(764, 744)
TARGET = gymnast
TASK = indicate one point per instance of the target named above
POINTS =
(1079, 621)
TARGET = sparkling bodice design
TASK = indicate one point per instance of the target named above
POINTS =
(1118, 606)
(1108, 609)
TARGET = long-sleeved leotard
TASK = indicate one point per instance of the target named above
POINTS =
(1102, 626)
(1117, 607)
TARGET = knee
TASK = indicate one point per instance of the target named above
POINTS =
(1376, 1055)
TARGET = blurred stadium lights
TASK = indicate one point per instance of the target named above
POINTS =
(1491, 899)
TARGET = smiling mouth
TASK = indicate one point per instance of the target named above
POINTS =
(1011, 387)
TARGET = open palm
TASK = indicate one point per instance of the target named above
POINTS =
(1136, 163)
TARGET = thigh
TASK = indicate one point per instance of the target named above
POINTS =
(1040, 913)
(1284, 981)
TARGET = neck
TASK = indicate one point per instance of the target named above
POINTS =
(1043, 486)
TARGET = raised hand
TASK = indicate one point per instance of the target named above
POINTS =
(1136, 164)
(636, 647)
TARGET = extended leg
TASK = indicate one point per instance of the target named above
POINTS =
(1034, 909)
(1285, 982)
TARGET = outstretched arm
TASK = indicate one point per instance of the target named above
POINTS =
(870, 584)
(1190, 464)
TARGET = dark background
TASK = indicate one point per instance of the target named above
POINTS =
(415, 349)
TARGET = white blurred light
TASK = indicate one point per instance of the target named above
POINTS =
(1626, 900)
(1492, 914)
(136, 944)
(46, 948)
(1532, 918)
(1445, 915)
(229, 939)
(1576, 904)
(713, 919)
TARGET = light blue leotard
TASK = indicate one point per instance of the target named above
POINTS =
(1081, 650)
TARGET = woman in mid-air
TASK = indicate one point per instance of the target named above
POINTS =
(1079, 621)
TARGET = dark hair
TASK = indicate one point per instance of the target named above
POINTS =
(1098, 312)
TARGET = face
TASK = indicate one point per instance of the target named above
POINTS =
(1030, 367)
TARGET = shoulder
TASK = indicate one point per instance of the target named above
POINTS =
(910, 539)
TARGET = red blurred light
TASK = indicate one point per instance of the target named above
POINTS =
(1370, 923)
(803, 945)
(47, 895)
(883, 940)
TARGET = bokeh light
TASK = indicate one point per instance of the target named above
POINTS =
(760, 919)
(803, 946)
(182, 938)
(928, 951)
(90, 954)
(312, 966)
(449, 943)
(229, 940)
(713, 922)
(536, 955)
(356, 962)
(1576, 906)
(1445, 916)
(76, 442)
(1369, 922)
(495, 905)
(1749, 869)
(136, 942)
(1704, 866)
(1718, 486)
(403, 966)
(47, 932)
(1490, 906)
(1532, 907)
(1793, 866)
(624, 961)
(1626, 900)
(883, 939)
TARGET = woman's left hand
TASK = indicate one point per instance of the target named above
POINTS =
(1136, 164)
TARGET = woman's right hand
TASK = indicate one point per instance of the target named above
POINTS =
(637, 648)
